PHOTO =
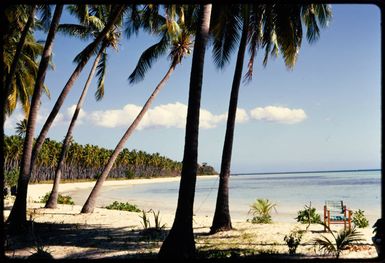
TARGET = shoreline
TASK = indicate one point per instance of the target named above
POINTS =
(204, 207)
(35, 191)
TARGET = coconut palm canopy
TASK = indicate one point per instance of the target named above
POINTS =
(305, 101)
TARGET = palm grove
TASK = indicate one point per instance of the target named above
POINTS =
(274, 29)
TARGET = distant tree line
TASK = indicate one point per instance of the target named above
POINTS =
(87, 162)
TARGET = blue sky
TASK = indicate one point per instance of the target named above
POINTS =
(324, 114)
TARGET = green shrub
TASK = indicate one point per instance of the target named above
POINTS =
(308, 216)
(359, 219)
(123, 206)
(293, 240)
(61, 199)
(261, 210)
(11, 177)
(130, 174)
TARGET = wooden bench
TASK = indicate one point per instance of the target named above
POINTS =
(335, 212)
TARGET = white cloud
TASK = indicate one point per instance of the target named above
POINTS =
(10, 122)
(278, 114)
(242, 116)
(70, 113)
(172, 115)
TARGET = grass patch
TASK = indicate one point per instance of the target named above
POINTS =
(61, 199)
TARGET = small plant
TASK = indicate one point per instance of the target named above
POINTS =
(40, 251)
(145, 220)
(123, 206)
(308, 215)
(149, 232)
(293, 240)
(342, 241)
(359, 219)
(158, 225)
(261, 210)
(61, 199)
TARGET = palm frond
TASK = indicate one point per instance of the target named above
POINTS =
(85, 53)
(254, 38)
(45, 12)
(46, 91)
(323, 13)
(326, 245)
(101, 73)
(132, 21)
(80, 12)
(74, 30)
(346, 238)
(96, 22)
(151, 19)
(227, 25)
(147, 58)
(289, 41)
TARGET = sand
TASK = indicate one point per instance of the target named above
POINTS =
(65, 233)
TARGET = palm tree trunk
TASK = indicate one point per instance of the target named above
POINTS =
(52, 200)
(222, 220)
(180, 241)
(17, 217)
(59, 102)
(3, 96)
(89, 205)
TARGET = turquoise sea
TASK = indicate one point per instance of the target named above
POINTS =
(290, 191)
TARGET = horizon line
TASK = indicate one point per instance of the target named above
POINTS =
(311, 171)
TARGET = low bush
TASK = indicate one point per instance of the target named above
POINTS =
(308, 216)
(11, 177)
(129, 174)
(359, 219)
(293, 240)
(123, 206)
(61, 199)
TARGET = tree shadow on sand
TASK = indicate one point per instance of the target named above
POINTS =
(97, 240)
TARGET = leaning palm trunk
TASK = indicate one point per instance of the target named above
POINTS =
(17, 217)
(52, 200)
(90, 203)
(180, 242)
(222, 219)
(59, 102)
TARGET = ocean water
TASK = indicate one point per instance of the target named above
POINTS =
(291, 192)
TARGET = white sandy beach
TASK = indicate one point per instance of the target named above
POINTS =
(111, 233)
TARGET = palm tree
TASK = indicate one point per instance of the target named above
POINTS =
(261, 210)
(343, 240)
(180, 241)
(85, 55)
(17, 217)
(21, 127)
(10, 77)
(275, 27)
(95, 24)
(180, 47)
